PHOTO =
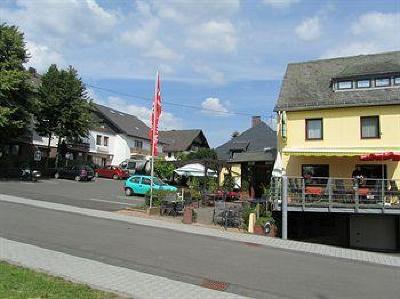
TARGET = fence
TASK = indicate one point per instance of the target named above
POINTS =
(315, 192)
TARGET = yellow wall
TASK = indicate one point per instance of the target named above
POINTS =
(341, 129)
(236, 173)
(340, 167)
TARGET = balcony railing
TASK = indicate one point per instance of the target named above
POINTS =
(337, 193)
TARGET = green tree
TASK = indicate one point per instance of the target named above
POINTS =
(63, 107)
(163, 169)
(200, 154)
(15, 89)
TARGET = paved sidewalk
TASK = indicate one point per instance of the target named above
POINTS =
(123, 281)
(324, 250)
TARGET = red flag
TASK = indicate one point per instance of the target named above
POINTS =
(155, 117)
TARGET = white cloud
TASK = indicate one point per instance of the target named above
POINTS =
(377, 23)
(168, 121)
(215, 76)
(213, 35)
(309, 29)
(61, 22)
(42, 56)
(280, 3)
(351, 49)
(370, 33)
(193, 11)
(213, 106)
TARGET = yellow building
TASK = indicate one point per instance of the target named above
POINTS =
(336, 117)
(333, 111)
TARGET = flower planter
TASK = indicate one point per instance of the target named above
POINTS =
(259, 230)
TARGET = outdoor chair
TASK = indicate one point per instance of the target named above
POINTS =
(167, 208)
(339, 191)
(178, 209)
(394, 193)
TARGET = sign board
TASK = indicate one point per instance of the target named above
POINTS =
(37, 156)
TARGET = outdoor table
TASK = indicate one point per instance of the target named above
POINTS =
(363, 191)
(313, 190)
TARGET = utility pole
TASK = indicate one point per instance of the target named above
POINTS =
(284, 207)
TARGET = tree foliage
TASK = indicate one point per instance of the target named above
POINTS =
(15, 89)
(200, 154)
(163, 169)
(63, 106)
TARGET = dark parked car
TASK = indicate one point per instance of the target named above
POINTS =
(112, 172)
(77, 172)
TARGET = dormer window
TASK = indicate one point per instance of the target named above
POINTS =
(382, 82)
(363, 83)
(345, 85)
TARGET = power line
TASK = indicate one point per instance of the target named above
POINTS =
(175, 104)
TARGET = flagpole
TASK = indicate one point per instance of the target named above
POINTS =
(152, 145)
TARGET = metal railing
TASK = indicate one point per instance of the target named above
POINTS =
(315, 192)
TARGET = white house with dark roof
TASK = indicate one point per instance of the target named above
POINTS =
(124, 136)
(182, 141)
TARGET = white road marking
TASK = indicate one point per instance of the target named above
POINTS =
(109, 201)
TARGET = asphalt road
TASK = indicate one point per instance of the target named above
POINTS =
(102, 194)
(255, 271)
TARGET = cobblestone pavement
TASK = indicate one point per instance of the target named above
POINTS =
(124, 281)
(318, 249)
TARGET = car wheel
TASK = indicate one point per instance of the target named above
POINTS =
(128, 191)
(115, 177)
(57, 175)
(77, 178)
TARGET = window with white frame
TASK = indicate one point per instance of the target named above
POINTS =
(98, 139)
(345, 85)
(396, 80)
(138, 144)
(105, 141)
(382, 82)
(363, 84)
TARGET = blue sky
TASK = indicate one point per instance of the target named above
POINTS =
(222, 56)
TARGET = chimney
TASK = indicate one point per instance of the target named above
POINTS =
(255, 120)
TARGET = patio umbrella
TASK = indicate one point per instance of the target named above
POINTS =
(277, 170)
(381, 157)
(195, 169)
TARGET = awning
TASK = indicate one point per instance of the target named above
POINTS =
(336, 152)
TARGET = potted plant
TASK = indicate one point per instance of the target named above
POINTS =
(265, 225)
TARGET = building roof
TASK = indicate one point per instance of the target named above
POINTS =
(181, 140)
(250, 143)
(308, 85)
(125, 123)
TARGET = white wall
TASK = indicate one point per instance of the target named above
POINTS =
(43, 141)
(100, 149)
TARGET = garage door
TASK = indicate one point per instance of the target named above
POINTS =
(373, 232)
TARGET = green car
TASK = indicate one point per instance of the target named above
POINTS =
(140, 184)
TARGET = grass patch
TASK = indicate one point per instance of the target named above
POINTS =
(22, 283)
